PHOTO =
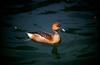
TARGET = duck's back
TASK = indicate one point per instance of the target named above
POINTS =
(43, 34)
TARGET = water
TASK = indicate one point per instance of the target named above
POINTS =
(78, 45)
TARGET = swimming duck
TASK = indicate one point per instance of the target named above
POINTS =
(47, 38)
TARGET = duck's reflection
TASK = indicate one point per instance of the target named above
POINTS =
(55, 52)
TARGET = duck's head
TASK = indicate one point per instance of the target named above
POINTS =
(56, 26)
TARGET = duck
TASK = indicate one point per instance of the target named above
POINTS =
(53, 38)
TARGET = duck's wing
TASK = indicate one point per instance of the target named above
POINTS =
(43, 34)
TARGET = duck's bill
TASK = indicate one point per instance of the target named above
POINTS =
(62, 29)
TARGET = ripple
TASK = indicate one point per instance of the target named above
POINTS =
(48, 12)
(18, 29)
(23, 48)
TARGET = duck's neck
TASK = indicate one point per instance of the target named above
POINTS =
(56, 37)
(55, 32)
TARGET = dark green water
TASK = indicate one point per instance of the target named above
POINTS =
(78, 46)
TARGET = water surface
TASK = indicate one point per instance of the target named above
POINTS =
(78, 41)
